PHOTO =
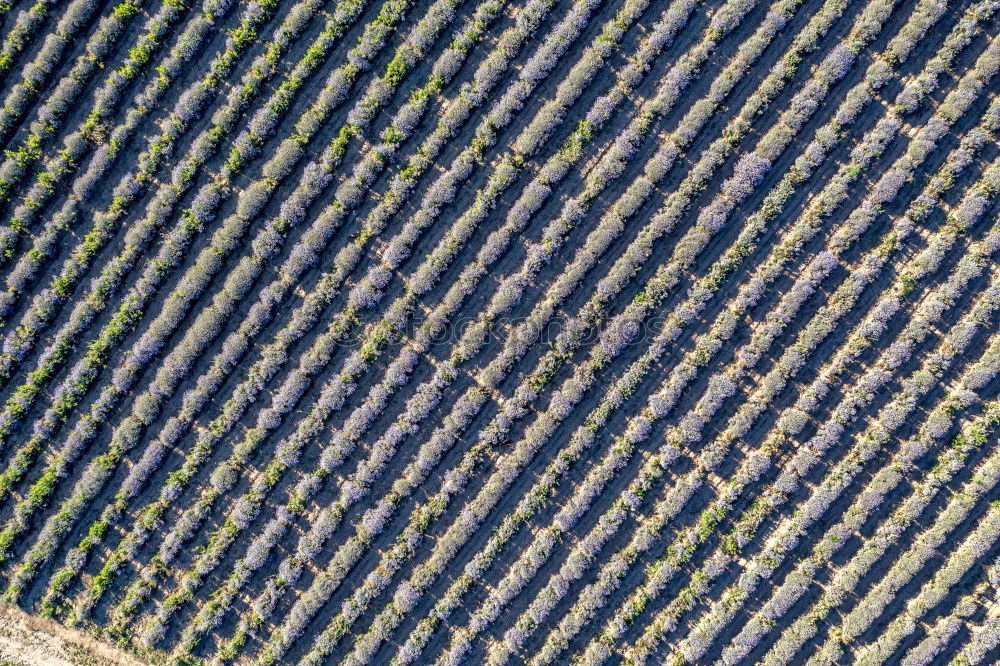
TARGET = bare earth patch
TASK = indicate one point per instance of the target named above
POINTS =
(26, 640)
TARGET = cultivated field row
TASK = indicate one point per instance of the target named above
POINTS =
(550, 332)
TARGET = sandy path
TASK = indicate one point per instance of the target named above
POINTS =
(26, 640)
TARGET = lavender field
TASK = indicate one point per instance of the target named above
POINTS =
(472, 331)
